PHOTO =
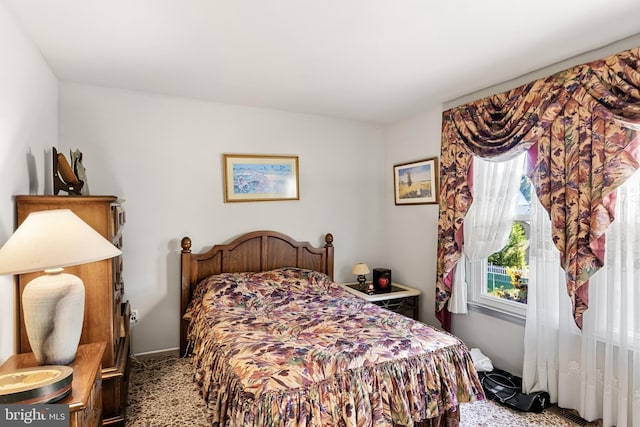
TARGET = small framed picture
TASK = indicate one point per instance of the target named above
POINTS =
(416, 183)
(257, 177)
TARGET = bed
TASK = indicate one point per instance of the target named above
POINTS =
(276, 342)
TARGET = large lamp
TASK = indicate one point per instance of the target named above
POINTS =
(53, 303)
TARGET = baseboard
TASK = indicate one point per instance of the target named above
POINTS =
(157, 353)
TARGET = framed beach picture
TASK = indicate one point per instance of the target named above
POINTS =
(416, 182)
(256, 177)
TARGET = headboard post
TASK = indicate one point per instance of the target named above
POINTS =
(185, 293)
(328, 244)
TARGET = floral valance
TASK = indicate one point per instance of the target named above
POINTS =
(580, 127)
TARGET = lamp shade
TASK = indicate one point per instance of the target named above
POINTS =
(360, 268)
(53, 239)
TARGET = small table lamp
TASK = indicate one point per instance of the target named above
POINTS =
(361, 269)
(53, 303)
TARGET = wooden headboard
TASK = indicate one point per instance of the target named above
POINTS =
(255, 251)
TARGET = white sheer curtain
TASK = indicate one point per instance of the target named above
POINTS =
(487, 225)
(597, 370)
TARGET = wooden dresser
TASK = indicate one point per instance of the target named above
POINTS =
(106, 315)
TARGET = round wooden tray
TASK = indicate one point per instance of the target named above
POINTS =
(42, 384)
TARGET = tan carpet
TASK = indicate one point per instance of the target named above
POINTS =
(161, 393)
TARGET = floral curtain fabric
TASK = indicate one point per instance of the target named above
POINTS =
(580, 127)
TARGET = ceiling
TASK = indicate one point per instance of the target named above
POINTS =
(373, 60)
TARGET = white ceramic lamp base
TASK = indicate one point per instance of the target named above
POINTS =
(53, 306)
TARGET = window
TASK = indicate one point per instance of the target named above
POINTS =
(499, 283)
(508, 269)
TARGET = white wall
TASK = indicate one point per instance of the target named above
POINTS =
(164, 156)
(412, 230)
(28, 130)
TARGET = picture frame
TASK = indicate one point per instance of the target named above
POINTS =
(416, 183)
(260, 177)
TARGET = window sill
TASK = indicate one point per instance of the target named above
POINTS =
(518, 319)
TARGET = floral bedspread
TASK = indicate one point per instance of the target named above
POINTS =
(289, 347)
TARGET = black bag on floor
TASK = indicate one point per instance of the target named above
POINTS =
(505, 388)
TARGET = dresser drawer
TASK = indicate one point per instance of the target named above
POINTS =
(91, 414)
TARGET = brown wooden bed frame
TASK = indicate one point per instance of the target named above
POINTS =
(255, 251)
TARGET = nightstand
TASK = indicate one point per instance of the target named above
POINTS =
(402, 299)
(85, 399)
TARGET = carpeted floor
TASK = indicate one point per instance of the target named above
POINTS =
(161, 393)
